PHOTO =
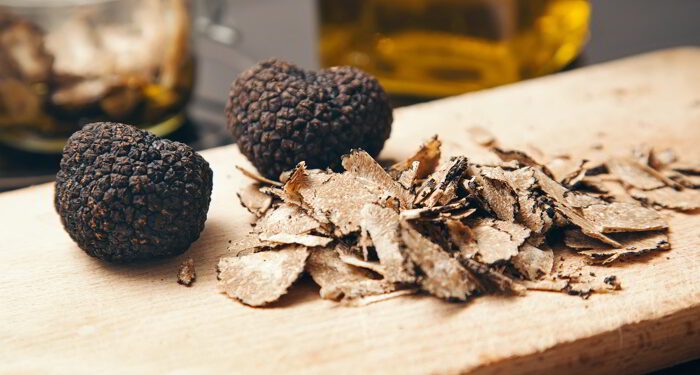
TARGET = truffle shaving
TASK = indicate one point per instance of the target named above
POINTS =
(260, 278)
(498, 240)
(308, 240)
(462, 237)
(682, 200)
(441, 187)
(442, 275)
(382, 224)
(428, 157)
(624, 217)
(634, 174)
(362, 165)
(257, 177)
(341, 281)
(533, 263)
(254, 200)
(631, 244)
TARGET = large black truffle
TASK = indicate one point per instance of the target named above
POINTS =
(280, 115)
(124, 194)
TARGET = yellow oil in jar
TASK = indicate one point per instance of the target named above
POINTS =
(433, 48)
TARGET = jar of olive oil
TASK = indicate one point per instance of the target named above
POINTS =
(434, 48)
(65, 63)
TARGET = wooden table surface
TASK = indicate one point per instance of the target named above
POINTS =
(64, 312)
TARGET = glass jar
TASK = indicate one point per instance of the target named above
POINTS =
(65, 63)
(434, 48)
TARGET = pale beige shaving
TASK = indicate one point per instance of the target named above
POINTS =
(365, 168)
(442, 275)
(441, 187)
(307, 240)
(496, 195)
(533, 263)
(257, 177)
(633, 244)
(522, 158)
(624, 217)
(287, 218)
(260, 278)
(254, 200)
(341, 281)
(408, 177)
(498, 240)
(682, 200)
(382, 224)
(428, 157)
(355, 260)
(462, 236)
(634, 174)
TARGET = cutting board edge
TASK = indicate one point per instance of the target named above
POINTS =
(583, 356)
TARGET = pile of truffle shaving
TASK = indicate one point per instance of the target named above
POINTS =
(453, 229)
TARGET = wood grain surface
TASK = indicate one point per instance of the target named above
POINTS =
(64, 312)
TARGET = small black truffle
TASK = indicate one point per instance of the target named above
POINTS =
(124, 194)
(280, 115)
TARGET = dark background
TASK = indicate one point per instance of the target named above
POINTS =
(619, 28)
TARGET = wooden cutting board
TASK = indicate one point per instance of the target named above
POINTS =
(64, 312)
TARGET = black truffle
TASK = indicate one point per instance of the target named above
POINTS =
(280, 115)
(124, 194)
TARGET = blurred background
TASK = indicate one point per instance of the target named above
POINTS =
(166, 65)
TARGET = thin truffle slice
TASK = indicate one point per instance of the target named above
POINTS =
(287, 218)
(365, 168)
(532, 262)
(428, 157)
(407, 178)
(632, 244)
(382, 224)
(495, 196)
(341, 281)
(491, 279)
(682, 200)
(441, 187)
(564, 206)
(463, 238)
(260, 278)
(352, 258)
(442, 275)
(256, 177)
(276, 227)
(456, 209)
(307, 240)
(254, 200)
(686, 168)
(634, 174)
(498, 240)
(522, 158)
(581, 282)
(335, 198)
(624, 217)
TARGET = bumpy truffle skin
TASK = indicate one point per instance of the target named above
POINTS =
(280, 115)
(124, 194)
